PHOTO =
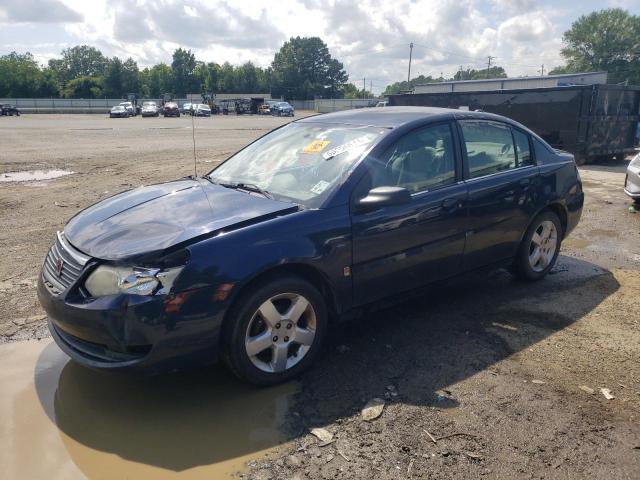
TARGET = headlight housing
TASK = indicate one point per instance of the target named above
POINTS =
(111, 280)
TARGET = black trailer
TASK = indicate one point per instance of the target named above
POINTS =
(594, 122)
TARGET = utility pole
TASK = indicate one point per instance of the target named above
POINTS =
(371, 86)
(410, 55)
(542, 69)
(489, 64)
(364, 86)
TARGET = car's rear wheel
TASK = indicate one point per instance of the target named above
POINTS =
(540, 247)
(275, 331)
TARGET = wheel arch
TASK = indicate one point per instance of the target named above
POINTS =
(561, 211)
(555, 207)
(309, 273)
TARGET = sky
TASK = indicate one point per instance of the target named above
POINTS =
(370, 37)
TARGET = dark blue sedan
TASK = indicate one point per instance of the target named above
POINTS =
(308, 224)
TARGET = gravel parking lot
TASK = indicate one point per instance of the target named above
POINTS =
(482, 376)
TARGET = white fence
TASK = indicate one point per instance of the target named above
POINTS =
(71, 105)
(102, 105)
(327, 105)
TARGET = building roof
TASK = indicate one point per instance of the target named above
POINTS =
(516, 79)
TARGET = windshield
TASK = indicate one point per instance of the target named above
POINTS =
(148, 104)
(300, 162)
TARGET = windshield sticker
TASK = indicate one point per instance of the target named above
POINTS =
(316, 146)
(355, 143)
(320, 187)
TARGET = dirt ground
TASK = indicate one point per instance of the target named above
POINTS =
(481, 377)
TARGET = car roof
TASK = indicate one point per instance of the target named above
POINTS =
(393, 117)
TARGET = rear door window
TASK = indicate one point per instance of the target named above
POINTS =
(489, 146)
(523, 149)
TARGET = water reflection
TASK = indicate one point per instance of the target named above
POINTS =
(202, 423)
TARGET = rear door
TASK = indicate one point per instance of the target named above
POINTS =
(502, 179)
(402, 247)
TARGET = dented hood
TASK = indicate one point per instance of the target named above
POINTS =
(156, 217)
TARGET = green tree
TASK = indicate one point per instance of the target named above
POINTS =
(49, 84)
(607, 40)
(472, 74)
(159, 80)
(349, 90)
(79, 61)
(130, 77)
(304, 69)
(183, 65)
(112, 82)
(211, 78)
(405, 86)
(83, 87)
(20, 75)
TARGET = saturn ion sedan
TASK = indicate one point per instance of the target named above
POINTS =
(316, 220)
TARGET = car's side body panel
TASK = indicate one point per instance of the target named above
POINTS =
(400, 248)
(500, 208)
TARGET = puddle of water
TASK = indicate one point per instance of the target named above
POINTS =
(33, 176)
(81, 423)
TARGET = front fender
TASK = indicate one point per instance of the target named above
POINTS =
(317, 239)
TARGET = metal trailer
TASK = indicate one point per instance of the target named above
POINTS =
(594, 122)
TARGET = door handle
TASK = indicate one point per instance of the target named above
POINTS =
(451, 203)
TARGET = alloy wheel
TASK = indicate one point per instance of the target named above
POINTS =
(281, 332)
(544, 243)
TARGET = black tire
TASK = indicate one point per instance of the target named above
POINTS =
(522, 267)
(237, 323)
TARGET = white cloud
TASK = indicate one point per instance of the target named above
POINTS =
(37, 11)
(371, 37)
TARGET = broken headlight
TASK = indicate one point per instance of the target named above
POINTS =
(110, 280)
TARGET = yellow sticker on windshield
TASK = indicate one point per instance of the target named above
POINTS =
(316, 146)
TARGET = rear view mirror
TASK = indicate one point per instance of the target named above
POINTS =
(382, 197)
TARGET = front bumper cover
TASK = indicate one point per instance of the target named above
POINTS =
(129, 331)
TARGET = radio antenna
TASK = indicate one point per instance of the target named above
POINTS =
(193, 137)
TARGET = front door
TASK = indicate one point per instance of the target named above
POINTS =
(402, 247)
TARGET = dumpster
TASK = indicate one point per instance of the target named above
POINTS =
(594, 122)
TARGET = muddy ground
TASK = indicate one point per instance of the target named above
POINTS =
(492, 369)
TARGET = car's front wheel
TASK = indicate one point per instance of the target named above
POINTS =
(275, 332)
(540, 247)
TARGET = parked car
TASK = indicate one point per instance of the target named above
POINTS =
(382, 103)
(9, 110)
(119, 111)
(264, 109)
(186, 108)
(201, 110)
(150, 109)
(282, 109)
(632, 180)
(320, 218)
(129, 107)
(171, 109)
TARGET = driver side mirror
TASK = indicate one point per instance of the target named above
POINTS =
(382, 197)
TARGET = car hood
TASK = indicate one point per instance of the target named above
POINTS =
(156, 217)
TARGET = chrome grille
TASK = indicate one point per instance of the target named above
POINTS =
(62, 266)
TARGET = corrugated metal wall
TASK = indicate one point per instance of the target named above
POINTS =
(513, 83)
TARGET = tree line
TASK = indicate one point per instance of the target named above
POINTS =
(606, 40)
(301, 69)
